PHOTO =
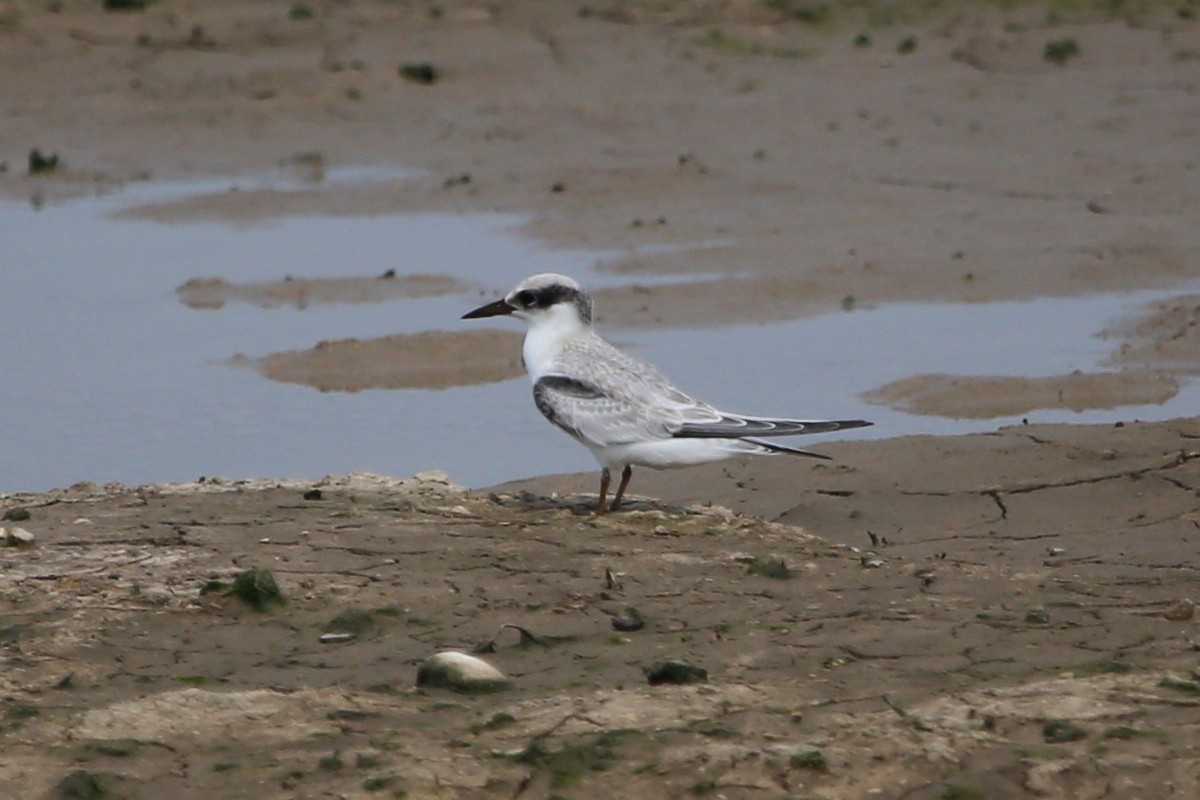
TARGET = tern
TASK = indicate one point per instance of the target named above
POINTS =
(620, 407)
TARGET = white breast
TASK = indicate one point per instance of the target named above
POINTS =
(544, 340)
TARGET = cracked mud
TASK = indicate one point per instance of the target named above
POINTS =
(1020, 627)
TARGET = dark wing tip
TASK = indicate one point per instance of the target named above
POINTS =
(732, 427)
(784, 449)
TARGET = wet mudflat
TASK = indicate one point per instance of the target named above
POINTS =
(1021, 626)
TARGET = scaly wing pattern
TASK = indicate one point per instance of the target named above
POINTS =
(603, 396)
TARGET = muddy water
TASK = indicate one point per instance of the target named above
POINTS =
(108, 376)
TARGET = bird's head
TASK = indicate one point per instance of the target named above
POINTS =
(542, 298)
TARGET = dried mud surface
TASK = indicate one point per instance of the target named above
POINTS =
(1013, 620)
(430, 360)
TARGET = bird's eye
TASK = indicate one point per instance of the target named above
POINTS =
(526, 298)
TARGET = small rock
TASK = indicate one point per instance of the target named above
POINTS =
(460, 672)
(1037, 617)
(675, 671)
(334, 638)
(16, 514)
(629, 620)
(83, 784)
(256, 587)
(40, 162)
(16, 537)
(1182, 611)
(421, 72)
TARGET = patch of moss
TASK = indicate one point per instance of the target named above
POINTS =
(256, 587)
(1113, 666)
(770, 567)
(421, 72)
(1187, 687)
(353, 620)
(1122, 732)
(630, 619)
(808, 13)
(953, 792)
(16, 713)
(40, 163)
(1037, 616)
(727, 44)
(573, 760)
(1128, 732)
(376, 784)
(118, 748)
(675, 671)
(809, 759)
(1060, 51)
(84, 785)
(1057, 731)
(350, 714)
(331, 763)
(717, 732)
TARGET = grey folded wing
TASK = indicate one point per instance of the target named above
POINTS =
(596, 416)
(602, 414)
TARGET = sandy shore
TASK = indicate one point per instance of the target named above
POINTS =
(950, 606)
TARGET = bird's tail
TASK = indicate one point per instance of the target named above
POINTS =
(771, 448)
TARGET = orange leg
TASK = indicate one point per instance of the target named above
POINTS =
(626, 474)
(605, 477)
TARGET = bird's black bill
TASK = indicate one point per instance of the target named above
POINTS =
(490, 310)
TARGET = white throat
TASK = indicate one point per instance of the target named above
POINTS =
(548, 330)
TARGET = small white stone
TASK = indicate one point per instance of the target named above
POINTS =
(452, 669)
(17, 536)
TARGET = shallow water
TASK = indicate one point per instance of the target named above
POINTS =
(107, 376)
